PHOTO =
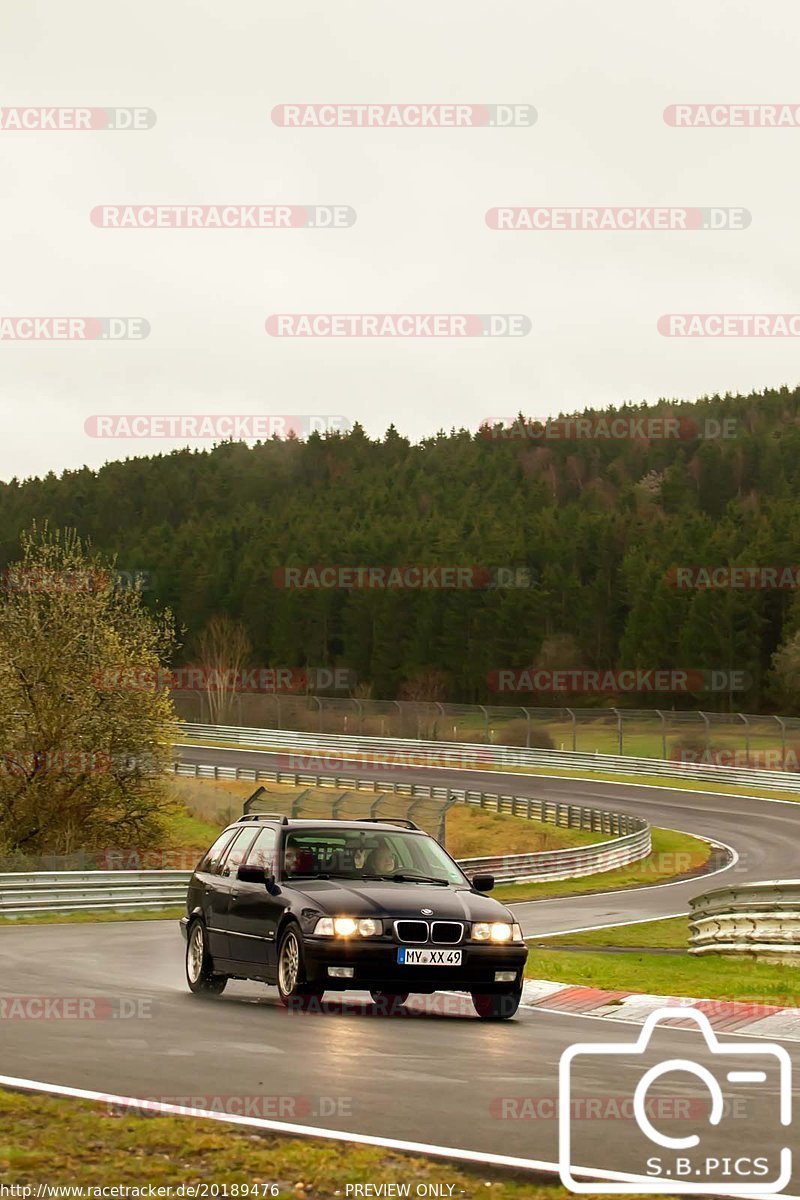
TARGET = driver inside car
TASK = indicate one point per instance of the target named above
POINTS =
(382, 860)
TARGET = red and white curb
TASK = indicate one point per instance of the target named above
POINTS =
(729, 1016)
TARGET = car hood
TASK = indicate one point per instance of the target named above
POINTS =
(341, 897)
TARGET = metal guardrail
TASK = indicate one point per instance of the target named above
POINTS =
(651, 732)
(630, 842)
(78, 891)
(755, 920)
(73, 891)
(395, 752)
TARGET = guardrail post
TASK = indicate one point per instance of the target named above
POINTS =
(782, 724)
(663, 733)
(708, 732)
(338, 803)
(574, 729)
(376, 803)
(746, 737)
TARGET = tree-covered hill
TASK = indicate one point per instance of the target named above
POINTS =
(598, 521)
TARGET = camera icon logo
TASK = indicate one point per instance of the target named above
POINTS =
(684, 1164)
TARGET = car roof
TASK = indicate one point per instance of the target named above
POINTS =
(310, 823)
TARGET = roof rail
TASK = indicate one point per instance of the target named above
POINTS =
(284, 820)
(409, 824)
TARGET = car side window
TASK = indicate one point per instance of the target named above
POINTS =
(212, 857)
(237, 852)
(262, 853)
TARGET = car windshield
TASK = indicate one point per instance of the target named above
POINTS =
(367, 854)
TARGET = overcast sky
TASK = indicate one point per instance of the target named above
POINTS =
(599, 77)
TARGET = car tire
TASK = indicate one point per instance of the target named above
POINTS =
(388, 1002)
(201, 977)
(294, 992)
(496, 1006)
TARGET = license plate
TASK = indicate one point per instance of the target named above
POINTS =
(428, 958)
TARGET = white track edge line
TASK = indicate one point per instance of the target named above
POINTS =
(535, 937)
(339, 1135)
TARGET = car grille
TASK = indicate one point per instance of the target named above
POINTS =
(447, 933)
(442, 933)
(412, 931)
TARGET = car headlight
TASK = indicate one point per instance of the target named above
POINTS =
(347, 927)
(496, 931)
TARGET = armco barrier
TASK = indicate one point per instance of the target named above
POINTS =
(406, 752)
(755, 920)
(630, 835)
(75, 891)
(72, 891)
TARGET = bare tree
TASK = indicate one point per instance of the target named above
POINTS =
(224, 648)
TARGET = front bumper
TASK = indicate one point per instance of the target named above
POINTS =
(375, 965)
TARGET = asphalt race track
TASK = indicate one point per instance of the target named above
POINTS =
(764, 834)
(437, 1075)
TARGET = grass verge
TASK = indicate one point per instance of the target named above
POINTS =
(75, 1143)
(86, 918)
(589, 960)
(209, 804)
(674, 854)
(672, 933)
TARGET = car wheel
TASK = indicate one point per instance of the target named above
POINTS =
(293, 990)
(200, 974)
(498, 1006)
(388, 1002)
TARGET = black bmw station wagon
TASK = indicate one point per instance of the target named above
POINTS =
(370, 905)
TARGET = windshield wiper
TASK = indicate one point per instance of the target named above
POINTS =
(399, 877)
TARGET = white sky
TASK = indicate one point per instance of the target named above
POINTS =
(599, 76)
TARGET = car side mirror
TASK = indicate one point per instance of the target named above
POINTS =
(483, 883)
(251, 874)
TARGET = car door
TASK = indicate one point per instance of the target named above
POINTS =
(255, 913)
(218, 890)
(205, 892)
